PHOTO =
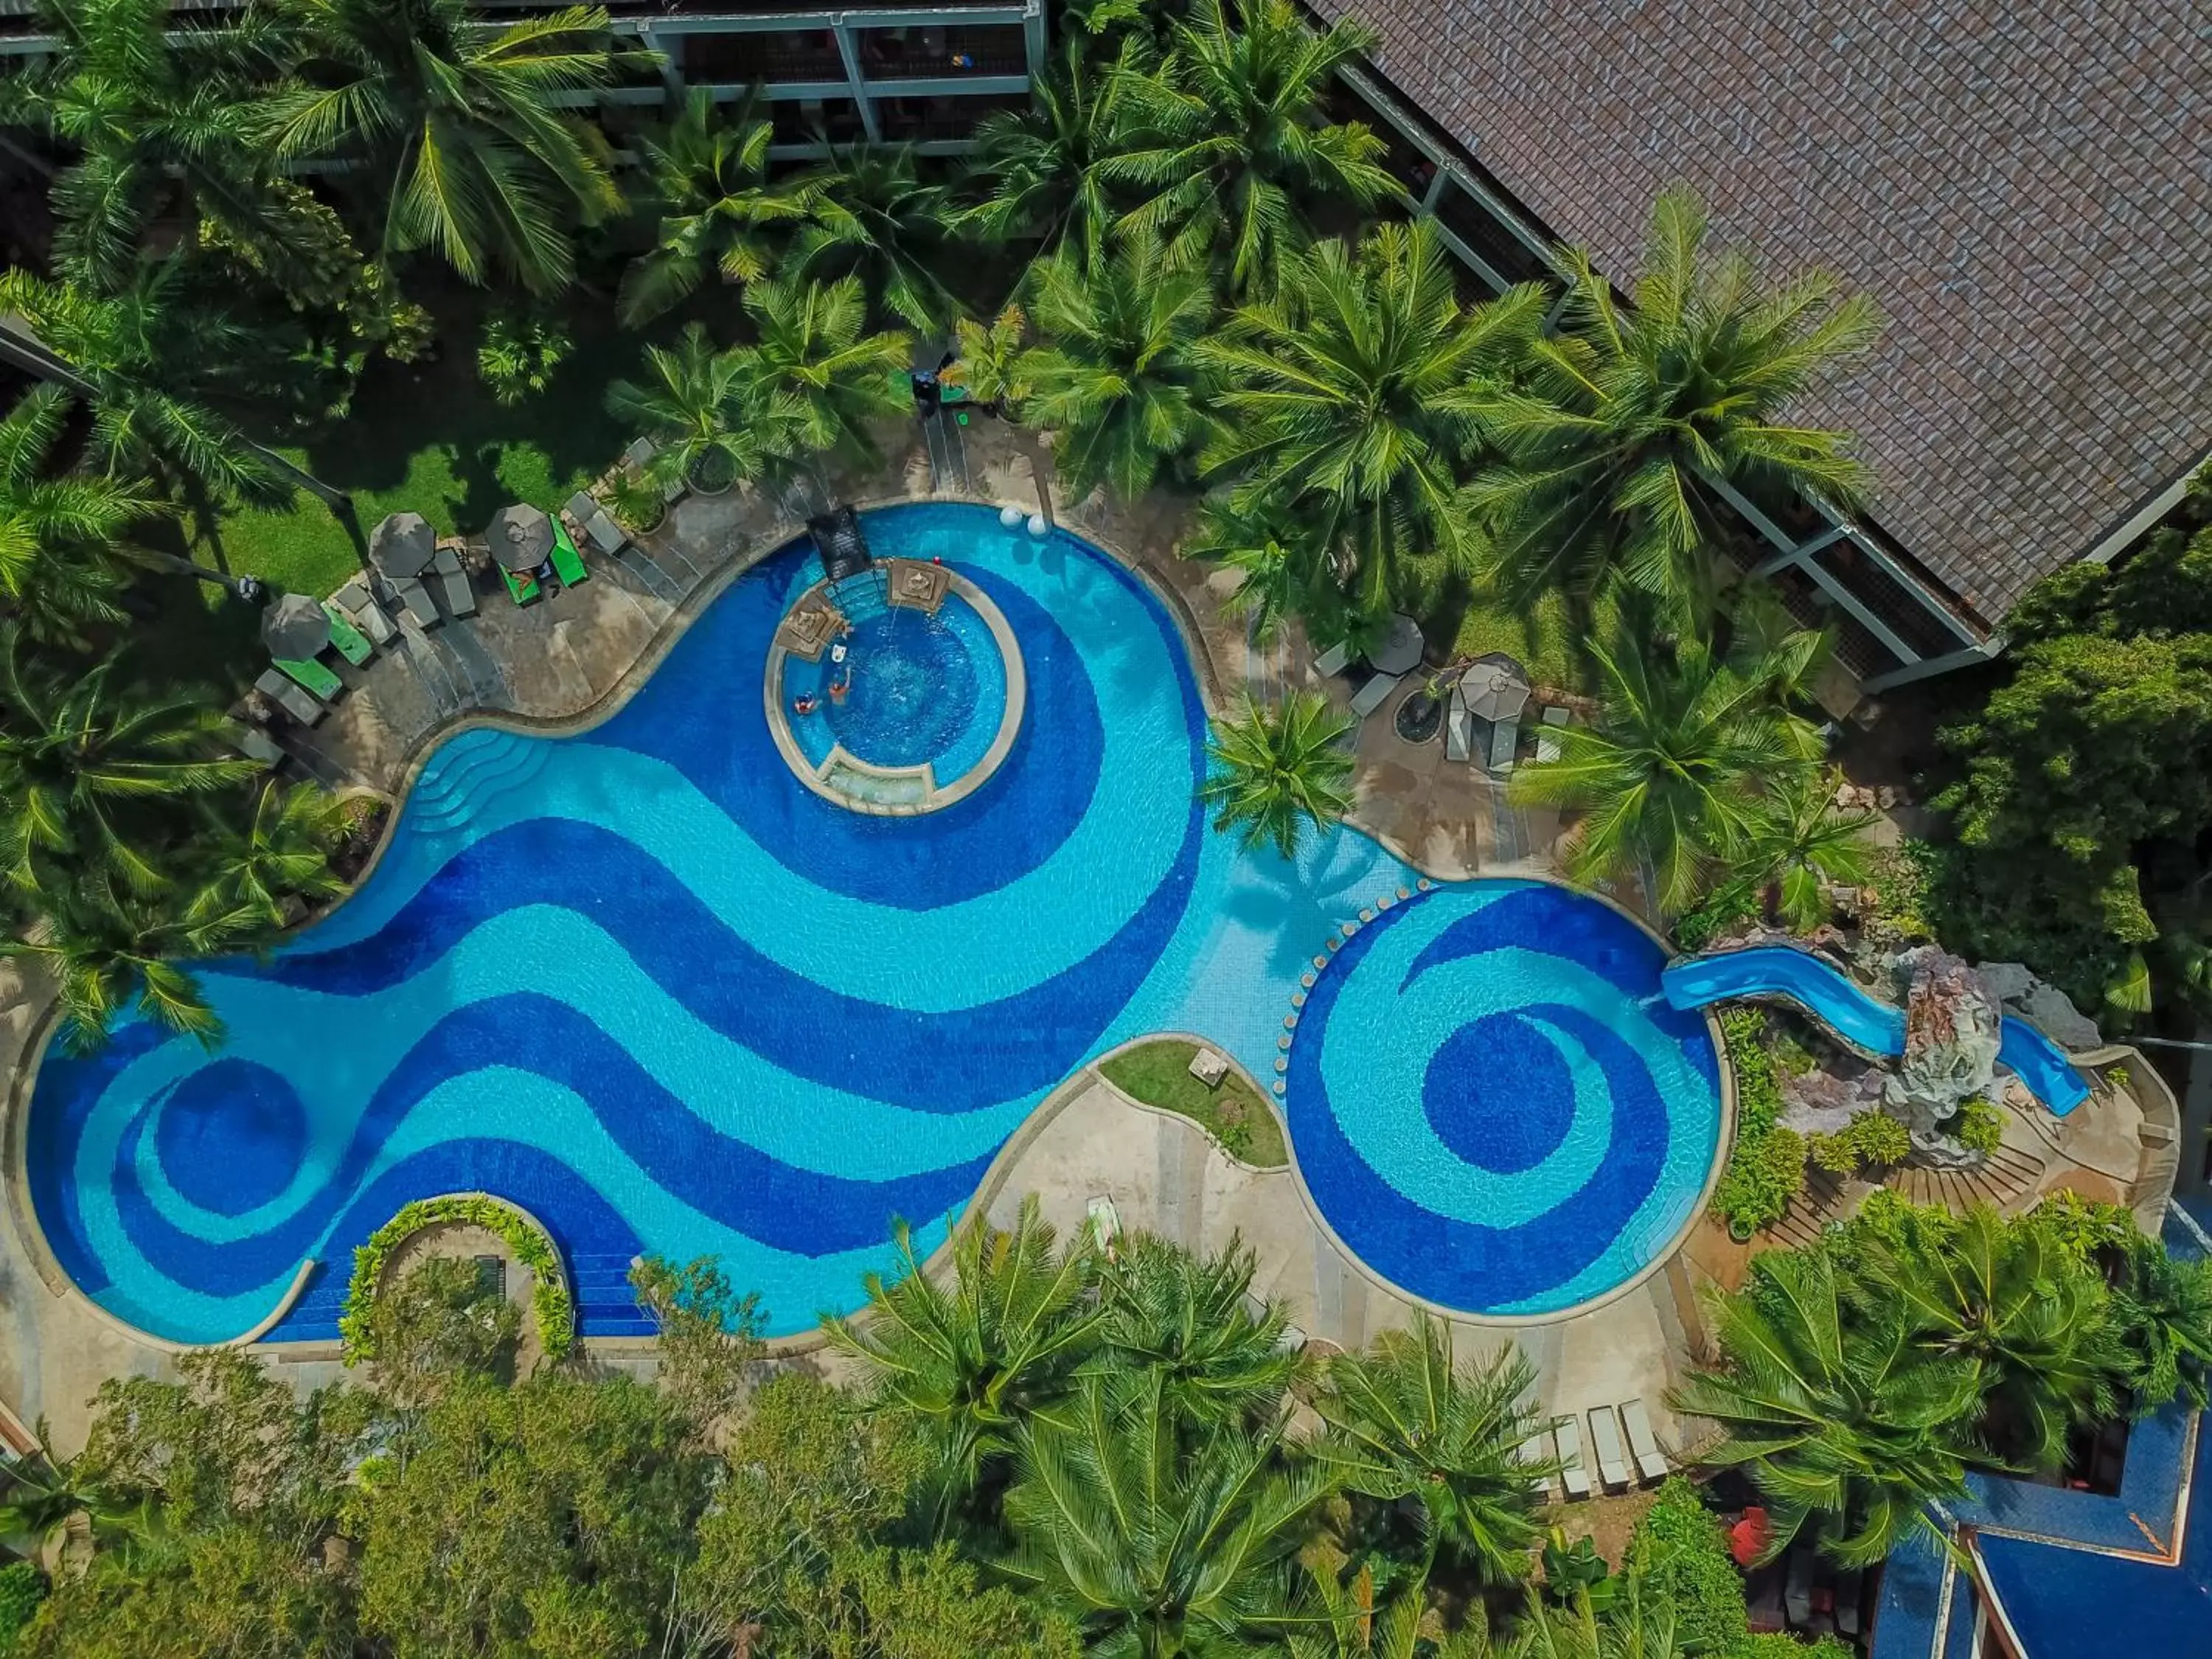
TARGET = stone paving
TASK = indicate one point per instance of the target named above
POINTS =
(574, 654)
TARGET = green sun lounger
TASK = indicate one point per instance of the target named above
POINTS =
(352, 645)
(312, 675)
(567, 563)
(521, 586)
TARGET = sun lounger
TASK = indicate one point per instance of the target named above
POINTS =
(366, 615)
(289, 698)
(1459, 733)
(352, 645)
(521, 586)
(255, 744)
(1572, 1471)
(1103, 1220)
(1373, 695)
(567, 563)
(1535, 1453)
(415, 602)
(604, 534)
(1547, 741)
(1605, 1441)
(1503, 736)
(1643, 1444)
(312, 675)
(453, 583)
(1332, 661)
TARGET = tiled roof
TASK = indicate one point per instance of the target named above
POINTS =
(2026, 190)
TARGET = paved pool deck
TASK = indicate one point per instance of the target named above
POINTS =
(575, 655)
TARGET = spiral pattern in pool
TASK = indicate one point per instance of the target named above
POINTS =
(1492, 1106)
(643, 982)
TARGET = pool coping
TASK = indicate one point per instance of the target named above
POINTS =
(783, 531)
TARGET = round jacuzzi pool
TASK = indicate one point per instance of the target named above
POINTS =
(1493, 1106)
(900, 706)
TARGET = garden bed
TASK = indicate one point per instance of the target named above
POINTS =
(1157, 1073)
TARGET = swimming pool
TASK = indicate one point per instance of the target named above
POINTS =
(643, 983)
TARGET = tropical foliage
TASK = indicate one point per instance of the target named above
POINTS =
(1279, 773)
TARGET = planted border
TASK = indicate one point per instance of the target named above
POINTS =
(533, 1247)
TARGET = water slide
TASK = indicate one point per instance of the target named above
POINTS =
(1781, 970)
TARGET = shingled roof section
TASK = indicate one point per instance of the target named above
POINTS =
(2026, 190)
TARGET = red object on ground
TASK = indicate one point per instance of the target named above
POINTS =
(1747, 1538)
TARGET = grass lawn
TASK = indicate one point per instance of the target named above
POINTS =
(1539, 636)
(1158, 1073)
(427, 437)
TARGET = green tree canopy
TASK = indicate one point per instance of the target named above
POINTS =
(61, 533)
(1280, 772)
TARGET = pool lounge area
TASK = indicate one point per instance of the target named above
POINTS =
(641, 981)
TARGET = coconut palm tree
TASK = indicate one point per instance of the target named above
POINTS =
(871, 216)
(1348, 1621)
(1799, 845)
(160, 112)
(44, 1499)
(714, 424)
(80, 753)
(993, 366)
(1409, 1426)
(969, 1364)
(814, 355)
(1229, 149)
(1278, 773)
(1123, 382)
(59, 567)
(1193, 1322)
(151, 364)
(1626, 421)
(1279, 549)
(282, 852)
(458, 123)
(1844, 1421)
(1671, 774)
(1041, 165)
(108, 945)
(1159, 1539)
(2030, 1316)
(1347, 397)
(718, 210)
(2162, 1310)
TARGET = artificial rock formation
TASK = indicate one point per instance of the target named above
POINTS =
(1951, 1036)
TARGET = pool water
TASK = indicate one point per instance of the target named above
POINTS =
(922, 689)
(644, 983)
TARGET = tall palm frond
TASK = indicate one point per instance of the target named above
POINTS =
(1040, 167)
(815, 353)
(871, 215)
(1279, 773)
(715, 425)
(283, 852)
(60, 565)
(1800, 845)
(1193, 1322)
(2162, 1310)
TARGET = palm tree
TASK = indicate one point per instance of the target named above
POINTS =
(1670, 773)
(153, 103)
(78, 755)
(1279, 551)
(2012, 1301)
(714, 424)
(58, 534)
(458, 122)
(1123, 382)
(1847, 1420)
(1193, 1322)
(992, 366)
(2162, 1310)
(1229, 148)
(871, 216)
(149, 363)
(1634, 1620)
(813, 355)
(45, 1499)
(1159, 1539)
(1629, 419)
(1800, 845)
(968, 1364)
(1278, 773)
(1348, 1622)
(282, 852)
(1407, 1425)
(1041, 165)
(1348, 397)
(718, 210)
(104, 943)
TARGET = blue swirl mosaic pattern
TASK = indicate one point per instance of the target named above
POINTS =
(1493, 1105)
(641, 982)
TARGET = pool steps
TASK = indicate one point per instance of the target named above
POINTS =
(450, 796)
(600, 1280)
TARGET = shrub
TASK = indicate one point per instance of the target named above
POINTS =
(1766, 1168)
(1692, 1570)
(520, 354)
(637, 502)
(1716, 914)
(22, 1587)
(1902, 877)
(1833, 1153)
(1877, 1138)
(1979, 1127)
(549, 1301)
(2083, 1228)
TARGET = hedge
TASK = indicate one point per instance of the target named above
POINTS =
(548, 1296)
(1766, 1166)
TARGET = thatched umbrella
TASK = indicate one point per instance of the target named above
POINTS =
(521, 537)
(295, 628)
(403, 544)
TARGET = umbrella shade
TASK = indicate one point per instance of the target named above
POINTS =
(1400, 650)
(403, 544)
(1494, 691)
(295, 628)
(521, 537)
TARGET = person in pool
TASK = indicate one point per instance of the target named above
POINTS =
(803, 703)
(838, 688)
